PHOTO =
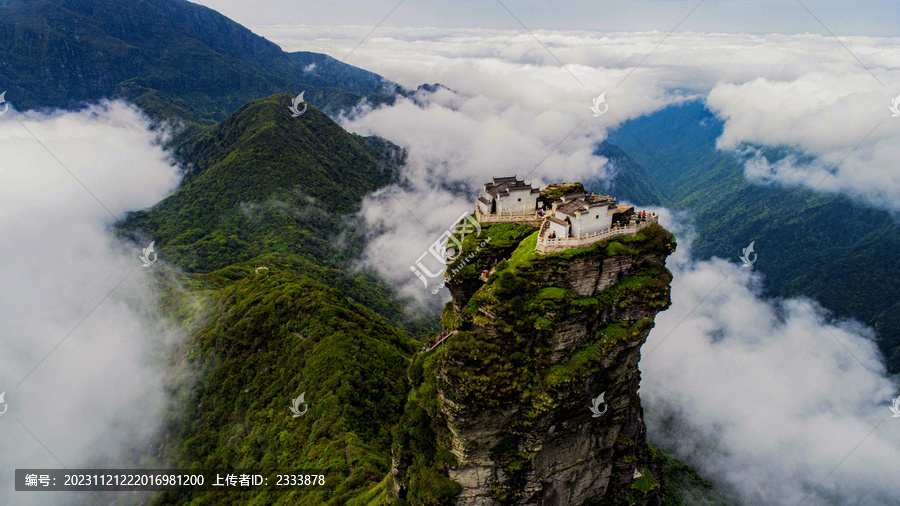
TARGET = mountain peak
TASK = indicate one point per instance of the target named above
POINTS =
(261, 156)
(532, 399)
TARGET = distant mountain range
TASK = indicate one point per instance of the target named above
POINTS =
(832, 248)
(173, 58)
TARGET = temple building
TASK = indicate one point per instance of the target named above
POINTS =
(580, 214)
(508, 195)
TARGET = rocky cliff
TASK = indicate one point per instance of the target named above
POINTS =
(502, 414)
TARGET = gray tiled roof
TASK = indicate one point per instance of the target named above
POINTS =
(572, 196)
(501, 186)
(582, 205)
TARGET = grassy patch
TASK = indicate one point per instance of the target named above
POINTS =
(645, 483)
(617, 248)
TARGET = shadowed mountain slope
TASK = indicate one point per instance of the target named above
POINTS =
(173, 58)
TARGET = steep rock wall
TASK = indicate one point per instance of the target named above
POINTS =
(507, 402)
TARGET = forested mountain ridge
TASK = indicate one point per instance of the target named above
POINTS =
(269, 336)
(256, 248)
(265, 183)
(629, 182)
(175, 59)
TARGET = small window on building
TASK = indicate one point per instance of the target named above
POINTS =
(520, 200)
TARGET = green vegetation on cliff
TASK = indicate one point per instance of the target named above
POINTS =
(502, 359)
(683, 486)
(557, 190)
(421, 441)
(527, 294)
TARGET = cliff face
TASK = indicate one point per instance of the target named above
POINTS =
(503, 412)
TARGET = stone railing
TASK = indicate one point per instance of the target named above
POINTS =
(544, 226)
(531, 218)
(547, 245)
(440, 339)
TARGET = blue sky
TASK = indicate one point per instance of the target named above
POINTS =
(878, 17)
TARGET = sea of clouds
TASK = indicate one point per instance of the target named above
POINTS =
(515, 107)
(82, 345)
(770, 398)
(773, 399)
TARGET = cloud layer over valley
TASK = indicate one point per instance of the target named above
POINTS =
(767, 397)
(81, 341)
(806, 92)
(514, 109)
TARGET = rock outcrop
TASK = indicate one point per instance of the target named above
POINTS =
(534, 400)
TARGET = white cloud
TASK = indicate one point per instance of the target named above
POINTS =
(842, 120)
(767, 397)
(513, 103)
(455, 143)
(96, 398)
(802, 91)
